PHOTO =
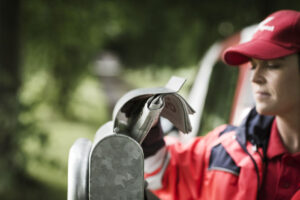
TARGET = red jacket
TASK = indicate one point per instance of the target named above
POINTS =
(226, 164)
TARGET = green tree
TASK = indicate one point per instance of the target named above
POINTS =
(10, 158)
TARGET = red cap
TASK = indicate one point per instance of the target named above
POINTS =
(276, 36)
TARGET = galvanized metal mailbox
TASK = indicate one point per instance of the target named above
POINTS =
(114, 168)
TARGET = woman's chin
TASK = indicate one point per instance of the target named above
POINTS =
(264, 110)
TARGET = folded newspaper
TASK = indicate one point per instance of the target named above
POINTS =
(138, 110)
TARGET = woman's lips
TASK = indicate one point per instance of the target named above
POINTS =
(262, 95)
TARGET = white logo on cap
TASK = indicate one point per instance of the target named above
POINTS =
(263, 27)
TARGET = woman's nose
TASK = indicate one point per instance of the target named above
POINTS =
(258, 75)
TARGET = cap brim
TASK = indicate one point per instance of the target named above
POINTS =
(258, 49)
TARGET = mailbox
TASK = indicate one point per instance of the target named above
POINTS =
(112, 167)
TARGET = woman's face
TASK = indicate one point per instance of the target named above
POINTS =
(276, 85)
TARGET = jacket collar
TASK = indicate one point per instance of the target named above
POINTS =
(275, 147)
(255, 128)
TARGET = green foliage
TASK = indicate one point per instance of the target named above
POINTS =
(48, 135)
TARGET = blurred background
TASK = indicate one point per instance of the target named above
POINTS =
(64, 64)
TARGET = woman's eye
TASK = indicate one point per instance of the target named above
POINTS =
(253, 66)
(275, 66)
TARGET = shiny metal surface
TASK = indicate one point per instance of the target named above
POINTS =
(78, 169)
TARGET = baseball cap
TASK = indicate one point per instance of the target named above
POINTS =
(276, 36)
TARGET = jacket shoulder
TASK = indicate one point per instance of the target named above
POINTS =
(219, 159)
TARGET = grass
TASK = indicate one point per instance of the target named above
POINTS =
(62, 135)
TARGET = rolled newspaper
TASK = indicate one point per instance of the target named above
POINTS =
(148, 117)
(130, 118)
